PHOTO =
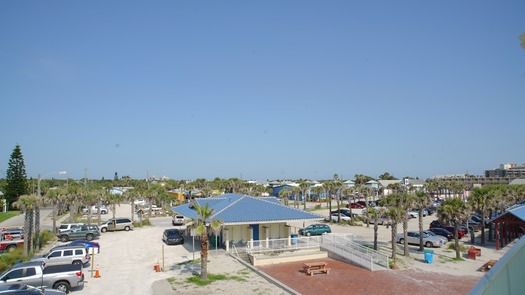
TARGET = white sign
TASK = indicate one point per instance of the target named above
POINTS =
(93, 250)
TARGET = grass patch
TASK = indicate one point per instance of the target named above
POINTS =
(145, 222)
(196, 279)
(6, 215)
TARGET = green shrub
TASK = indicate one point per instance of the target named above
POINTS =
(9, 259)
(462, 248)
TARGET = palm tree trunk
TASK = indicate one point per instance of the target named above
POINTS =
(405, 234)
(29, 237)
(204, 257)
(394, 249)
(37, 228)
(54, 214)
(420, 217)
(27, 226)
(376, 228)
(456, 240)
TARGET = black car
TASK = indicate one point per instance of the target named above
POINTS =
(442, 232)
(173, 237)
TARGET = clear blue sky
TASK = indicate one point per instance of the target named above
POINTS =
(262, 89)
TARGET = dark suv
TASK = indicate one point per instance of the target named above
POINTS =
(315, 229)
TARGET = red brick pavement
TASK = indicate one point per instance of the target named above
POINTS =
(349, 279)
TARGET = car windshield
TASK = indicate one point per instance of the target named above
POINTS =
(431, 233)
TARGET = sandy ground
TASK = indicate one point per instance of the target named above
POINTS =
(126, 262)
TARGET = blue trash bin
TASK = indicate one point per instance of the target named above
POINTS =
(294, 239)
(429, 256)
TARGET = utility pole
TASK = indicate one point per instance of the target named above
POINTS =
(85, 177)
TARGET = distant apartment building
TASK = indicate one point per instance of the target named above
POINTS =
(512, 171)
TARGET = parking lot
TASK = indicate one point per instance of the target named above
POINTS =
(127, 259)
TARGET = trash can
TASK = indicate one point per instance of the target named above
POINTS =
(294, 239)
(429, 256)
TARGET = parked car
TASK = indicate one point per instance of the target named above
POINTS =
(88, 232)
(67, 226)
(10, 239)
(315, 229)
(140, 202)
(23, 289)
(462, 230)
(413, 213)
(345, 211)
(114, 224)
(431, 210)
(413, 238)
(11, 233)
(87, 244)
(444, 239)
(94, 210)
(39, 274)
(335, 217)
(442, 232)
(64, 255)
(177, 220)
(380, 221)
(355, 206)
(172, 236)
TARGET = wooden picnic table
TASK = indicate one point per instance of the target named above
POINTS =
(315, 267)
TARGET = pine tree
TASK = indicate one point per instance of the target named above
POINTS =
(16, 177)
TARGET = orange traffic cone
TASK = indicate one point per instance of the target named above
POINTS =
(97, 273)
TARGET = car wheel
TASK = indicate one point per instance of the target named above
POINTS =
(308, 234)
(89, 237)
(64, 238)
(104, 229)
(429, 244)
(401, 241)
(62, 286)
(127, 228)
(10, 248)
(77, 262)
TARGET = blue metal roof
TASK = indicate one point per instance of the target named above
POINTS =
(517, 210)
(243, 209)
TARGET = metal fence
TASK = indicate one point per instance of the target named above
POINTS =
(347, 247)
(281, 245)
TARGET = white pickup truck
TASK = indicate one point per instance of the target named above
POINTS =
(37, 274)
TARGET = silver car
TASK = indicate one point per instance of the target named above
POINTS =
(428, 240)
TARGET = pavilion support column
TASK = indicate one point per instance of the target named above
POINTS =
(289, 235)
(497, 235)
(227, 237)
(250, 236)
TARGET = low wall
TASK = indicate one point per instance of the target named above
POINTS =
(262, 259)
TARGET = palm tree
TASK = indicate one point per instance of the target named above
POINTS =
(421, 201)
(296, 191)
(285, 194)
(317, 190)
(27, 204)
(114, 200)
(396, 214)
(204, 220)
(479, 202)
(375, 214)
(304, 186)
(55, 196)
(453, 210)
